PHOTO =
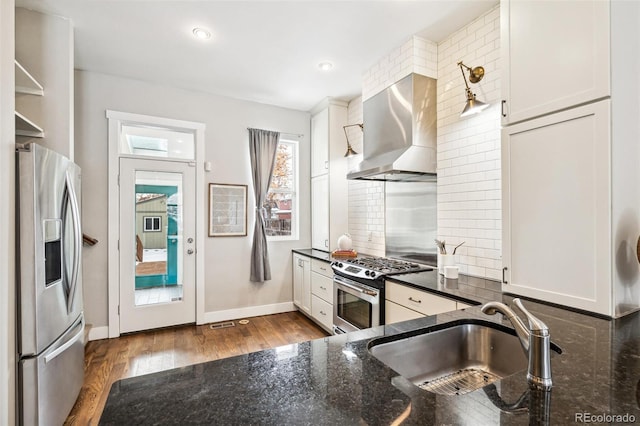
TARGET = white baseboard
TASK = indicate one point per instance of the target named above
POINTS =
(251, 311)
(97, 333)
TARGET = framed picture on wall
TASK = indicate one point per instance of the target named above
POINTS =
(227, 210)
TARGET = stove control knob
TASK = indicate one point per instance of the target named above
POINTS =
(339, 265)
(373, 274)
(367, 273)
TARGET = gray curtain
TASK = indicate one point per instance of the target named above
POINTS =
(263, 146)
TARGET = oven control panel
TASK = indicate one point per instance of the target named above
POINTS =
(354, 271)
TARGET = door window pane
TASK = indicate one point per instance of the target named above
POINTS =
(159, 237)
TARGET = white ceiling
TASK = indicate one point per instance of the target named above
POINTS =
(263, 51)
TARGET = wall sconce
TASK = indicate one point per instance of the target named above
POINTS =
(350, 150)
(473, 106)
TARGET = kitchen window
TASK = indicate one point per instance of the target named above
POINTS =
(281, 205)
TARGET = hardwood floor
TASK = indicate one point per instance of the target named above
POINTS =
(109, 360)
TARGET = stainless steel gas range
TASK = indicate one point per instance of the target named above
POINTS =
(358, 290)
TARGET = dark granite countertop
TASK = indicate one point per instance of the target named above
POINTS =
(335, 380)
(471, 290)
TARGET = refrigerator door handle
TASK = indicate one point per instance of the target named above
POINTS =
(77, 238)
(54, 354)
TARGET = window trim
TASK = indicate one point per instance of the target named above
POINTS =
(295, 205)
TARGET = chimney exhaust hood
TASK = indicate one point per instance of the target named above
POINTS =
(400, 133)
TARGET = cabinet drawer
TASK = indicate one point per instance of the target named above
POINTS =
(322, 287)
(322, 267)
(397, 313)
(421, 301)
(322, 311)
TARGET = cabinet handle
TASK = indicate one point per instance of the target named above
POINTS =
(299, 262)
(502, 111)
(503, 279)
(326, 243)
(326, 165)
(322, 268)
(322, 313)
(323, 288)
(415, 300)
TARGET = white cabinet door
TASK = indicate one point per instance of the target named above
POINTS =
(320, 143)
(556, 208)
(418, 300)
(322, 287)
(322, 312)
(320, 212)
(556, 55)
(397, 313)
(302, 282)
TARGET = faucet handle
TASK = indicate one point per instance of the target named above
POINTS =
(535, 324)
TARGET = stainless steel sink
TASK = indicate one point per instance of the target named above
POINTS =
(453, 360)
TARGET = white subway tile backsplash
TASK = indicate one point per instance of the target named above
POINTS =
(469, 149)
(469, 177)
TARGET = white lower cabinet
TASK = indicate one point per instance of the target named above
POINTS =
(322, 312)
(404, 303)
(397, 313)
(322, 293)
(313, 289)
(302, 282)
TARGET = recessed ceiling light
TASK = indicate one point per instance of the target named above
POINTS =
(201, 33)
(325, 65)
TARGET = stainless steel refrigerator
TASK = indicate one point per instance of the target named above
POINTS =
(50, 313)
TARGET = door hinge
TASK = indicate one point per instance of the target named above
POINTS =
(118, 180)
(118, 309)
(118, 245)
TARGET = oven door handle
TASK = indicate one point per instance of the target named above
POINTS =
(343, 282)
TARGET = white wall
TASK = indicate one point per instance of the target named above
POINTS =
(469, 191)
(469, 185)
(7, 216)
(227, 285)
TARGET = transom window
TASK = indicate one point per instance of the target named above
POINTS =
(281, 205)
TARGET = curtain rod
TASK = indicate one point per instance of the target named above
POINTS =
(299, 135)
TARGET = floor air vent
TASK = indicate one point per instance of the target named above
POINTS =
(225, 324)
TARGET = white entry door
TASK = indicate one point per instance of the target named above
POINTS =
(157, 244)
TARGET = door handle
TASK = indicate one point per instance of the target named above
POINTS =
(77, 237)
(50, 357)
(502, 111)
(190, 251)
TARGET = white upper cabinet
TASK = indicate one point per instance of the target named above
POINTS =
(556, 54)
(556, 208)
(320, 212)
(570, 153)
(329, 214)
(320, 143)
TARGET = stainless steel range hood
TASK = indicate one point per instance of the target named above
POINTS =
(400, 132)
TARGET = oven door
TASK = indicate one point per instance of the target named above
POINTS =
(356, 306)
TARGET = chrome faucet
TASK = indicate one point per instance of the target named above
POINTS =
(535, 341)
